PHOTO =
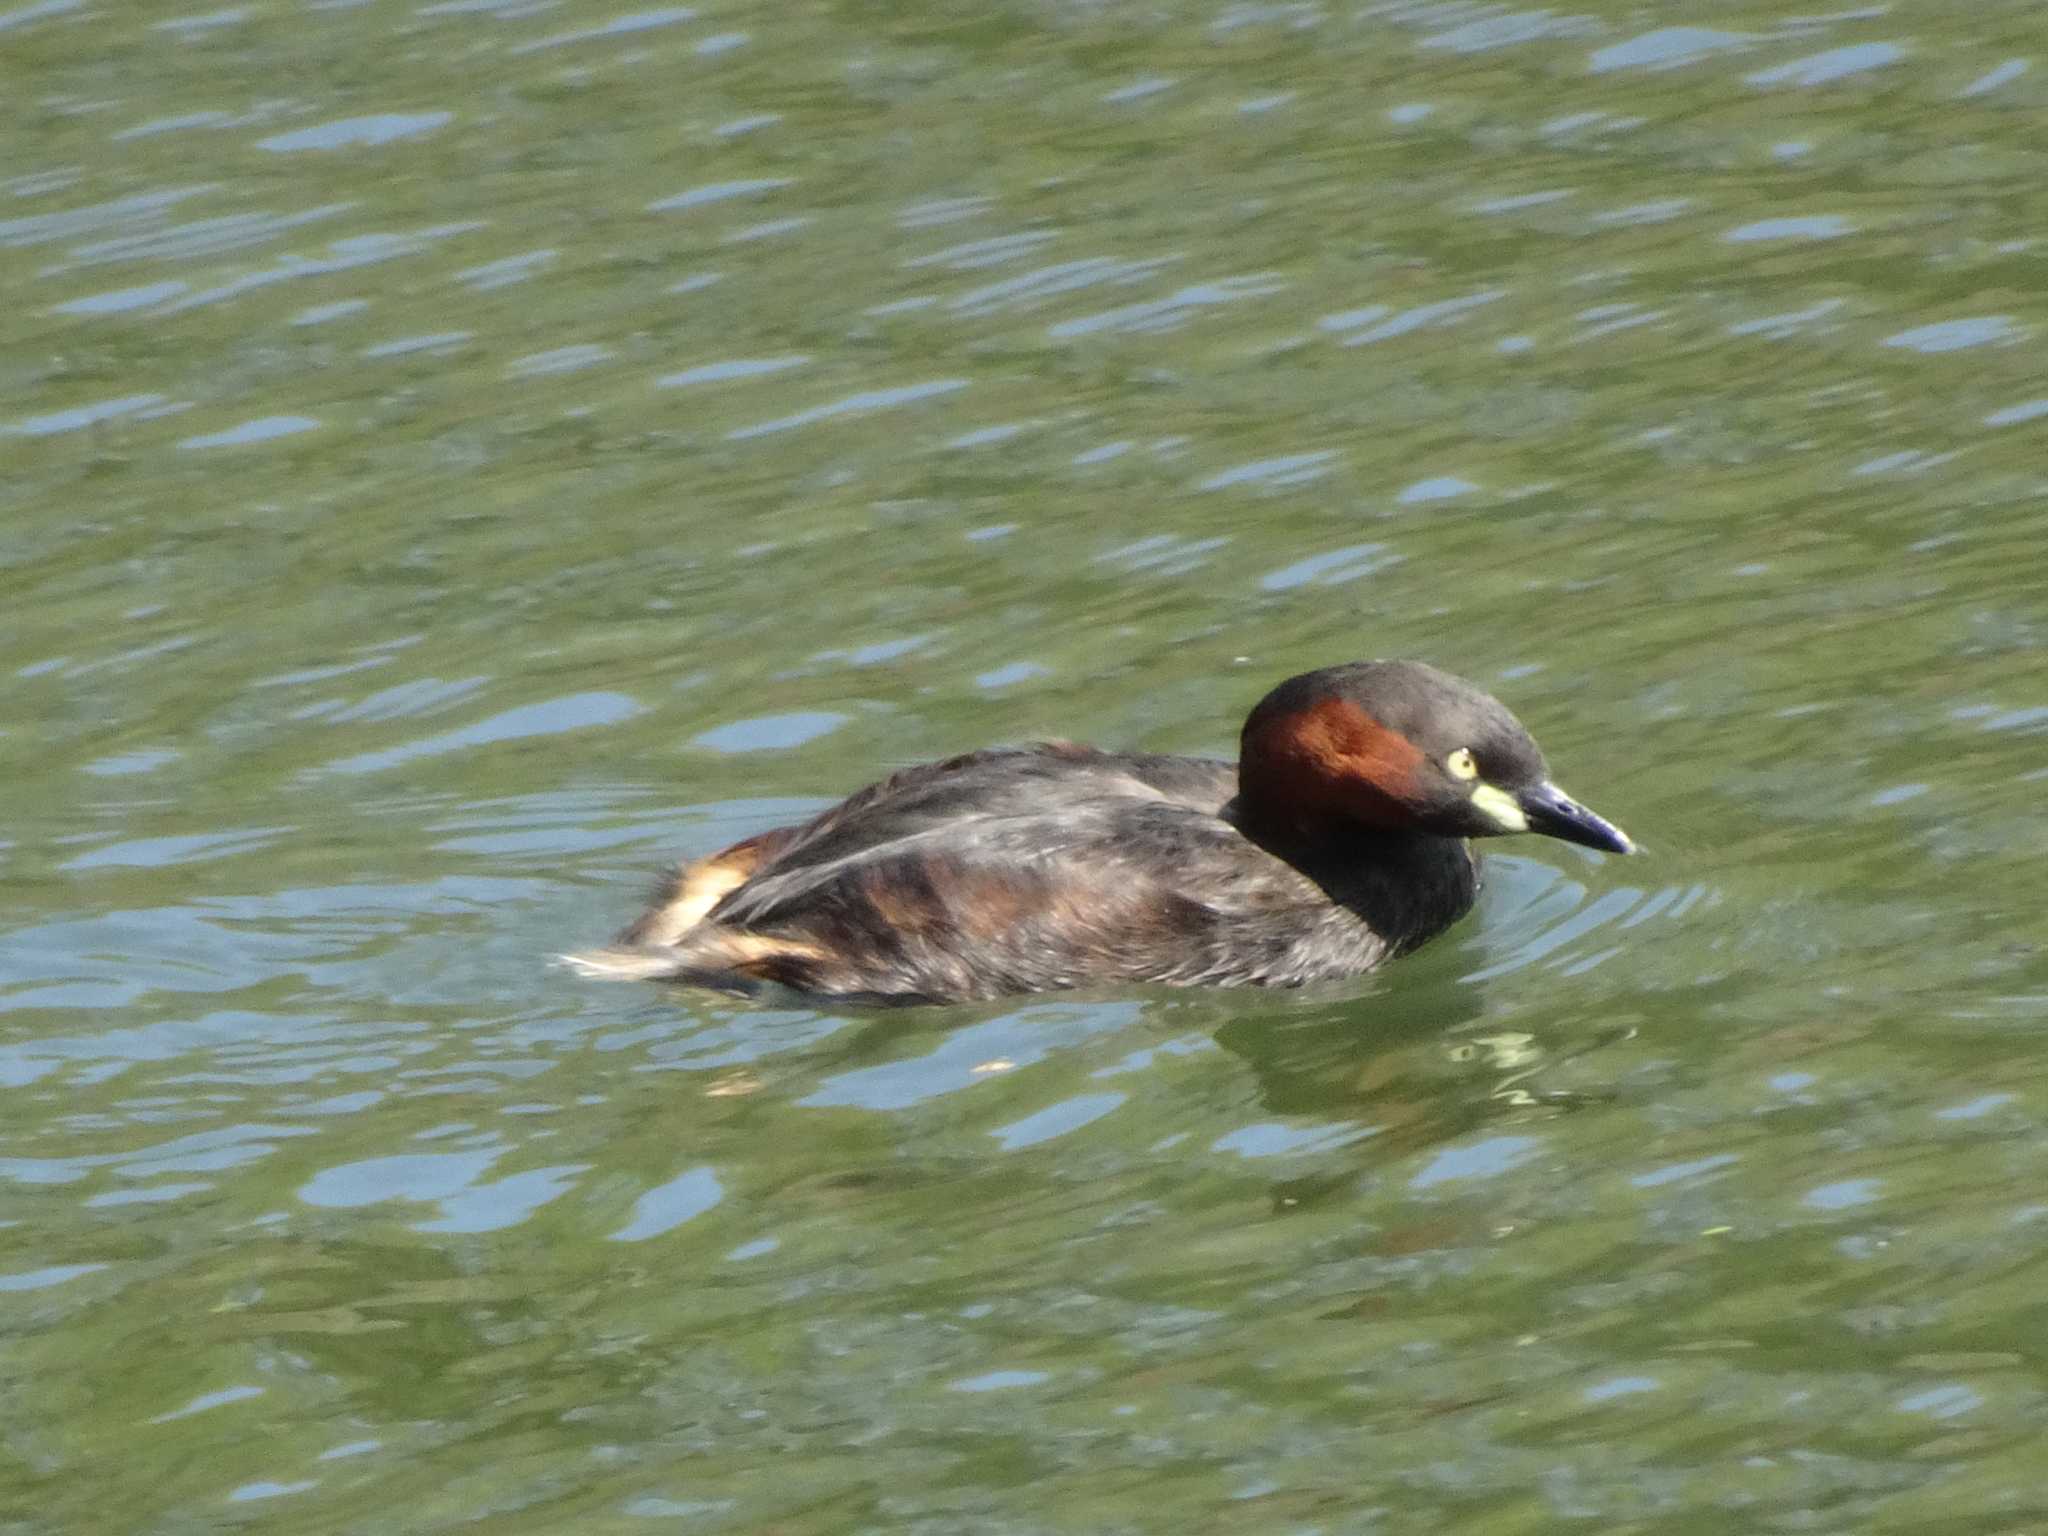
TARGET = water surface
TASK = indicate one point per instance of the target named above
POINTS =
(462, 455)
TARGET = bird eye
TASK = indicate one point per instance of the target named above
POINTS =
(1462, 764)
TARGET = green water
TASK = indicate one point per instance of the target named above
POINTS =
(457, 457)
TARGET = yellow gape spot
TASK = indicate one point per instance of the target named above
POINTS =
(1499, 807)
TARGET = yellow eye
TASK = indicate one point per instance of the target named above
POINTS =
(1461, 764)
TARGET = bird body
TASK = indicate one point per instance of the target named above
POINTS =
(1335, 843)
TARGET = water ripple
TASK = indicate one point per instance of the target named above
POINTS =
(507, 270)
(1171, 312)
(190, 848)
(352, 132)
(1835, 64)
(574, 712)
(1271, 1139)
(1667, 48)
(1789, 323)
(40, 10)
(991, 252)
(732, 368)
(200, 1152)
(415, 697)
(1508, 30)
(944, 210)
(120, 301)
(1955, 335)
(1036, 287)
(269, 1488)
(768, 229)
(972, 1055)
(204, 237)
(1436, 488)
(560, 360)
(1057, 1120)
(1163, 554)
(320, 314)
(345, 254)
(78, 416)
(1477, 1160)
(1823, 226)
(447, 1179)
(771, 733)
(2003, 74)
(504, 10)
(207, 1401)
(208, 21)
(1659, 210)
(1288, 470)
(1443, 312)
(139, 208)
(720, 192)
(1331, 569)
(618, 26)
(859, 404)
(432, 341)
(261, 430)
(2013, 415)
(667, 1206)
(43, 1279)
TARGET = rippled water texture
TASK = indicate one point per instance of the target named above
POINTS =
(458, 456)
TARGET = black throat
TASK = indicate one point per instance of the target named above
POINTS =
(1405, 886)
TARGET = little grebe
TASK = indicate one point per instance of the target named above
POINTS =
(1337, 841)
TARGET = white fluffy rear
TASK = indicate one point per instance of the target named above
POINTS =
(622, 964)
